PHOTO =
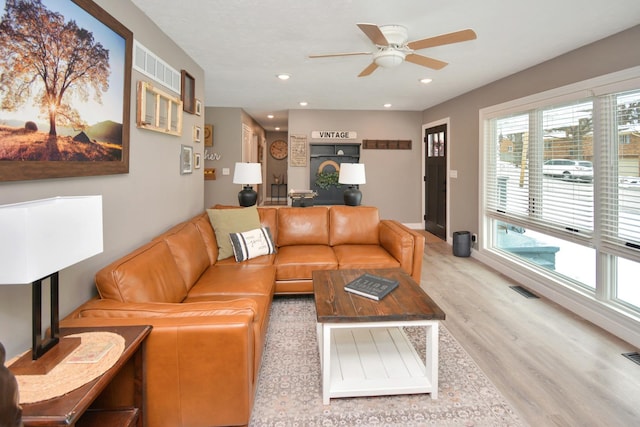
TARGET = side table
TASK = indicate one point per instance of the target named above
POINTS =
(69, 409)
(278, 194)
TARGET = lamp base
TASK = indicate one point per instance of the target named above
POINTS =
(247, 197)
(25, 365)
(352, 196)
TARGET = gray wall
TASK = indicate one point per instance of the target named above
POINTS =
(614, 53)
(275, 167)
(227, 143)
(394, 177)
(136, 206)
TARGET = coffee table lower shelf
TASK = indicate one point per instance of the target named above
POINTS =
(376, 359)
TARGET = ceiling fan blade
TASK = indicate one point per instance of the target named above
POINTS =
(370, 69)
(425, 61)
(375, 35)
(455, 37)
(329, 55)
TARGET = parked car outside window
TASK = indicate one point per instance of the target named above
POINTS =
(568, 169)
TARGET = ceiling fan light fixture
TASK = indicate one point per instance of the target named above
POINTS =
(395, 34)
(388, 58)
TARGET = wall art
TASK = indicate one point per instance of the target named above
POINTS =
(74, 120)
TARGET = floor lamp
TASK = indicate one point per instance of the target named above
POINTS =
(37, 240)
(353, 175)
(247, 174)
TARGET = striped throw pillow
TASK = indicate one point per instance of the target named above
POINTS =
(252, 243)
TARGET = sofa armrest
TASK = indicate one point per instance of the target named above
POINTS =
(406, 245)
(107, 308)
(199, 357)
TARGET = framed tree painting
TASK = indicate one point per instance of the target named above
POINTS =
(72, 120)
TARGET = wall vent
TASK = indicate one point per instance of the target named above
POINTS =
(152, 66)
(633, 356)
(524, 292)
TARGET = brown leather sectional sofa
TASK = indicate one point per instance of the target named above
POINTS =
(210, 316)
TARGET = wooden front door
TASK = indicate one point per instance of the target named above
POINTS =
(435, 139)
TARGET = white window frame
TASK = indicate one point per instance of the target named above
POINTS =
(598, 307)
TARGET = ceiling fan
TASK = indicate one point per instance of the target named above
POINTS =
(392, 47)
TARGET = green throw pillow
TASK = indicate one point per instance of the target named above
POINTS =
(226, 221)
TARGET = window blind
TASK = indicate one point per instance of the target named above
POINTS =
(620, 185)
(540, 169)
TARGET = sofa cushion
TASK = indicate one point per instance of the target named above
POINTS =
(188, 249)
(252, 244)
(148, 274)
(297, 262)
(303, 226)
(234, 280)
(225, 221)
(203, 224)
(354, 225)
(364, 256)
(269, 218)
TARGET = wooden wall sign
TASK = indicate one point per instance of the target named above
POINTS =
(209, 174)
(386, 144)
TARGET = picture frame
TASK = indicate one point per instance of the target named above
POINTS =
(188, 92)
(198, 107)
(197, 134)
(186, 159)
(157, 110)
(26, 155)
(208, 135)
(197, 160)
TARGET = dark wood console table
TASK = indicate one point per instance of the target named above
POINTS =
(278, 193)
(68, 410)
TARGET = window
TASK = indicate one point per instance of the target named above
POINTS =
(561, 175)
(158, 111)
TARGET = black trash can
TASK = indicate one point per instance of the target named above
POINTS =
(462, 243)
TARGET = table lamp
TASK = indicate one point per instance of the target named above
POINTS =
(37, 240)
(353, 175)
(247, 174)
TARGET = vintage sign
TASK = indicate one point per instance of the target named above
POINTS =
(333, 134)
(298, 156)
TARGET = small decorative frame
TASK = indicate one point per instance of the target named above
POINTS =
(198, 107)
(197, 134)
(208, 135)
(197, 161)
(188, 92)
(186, 159)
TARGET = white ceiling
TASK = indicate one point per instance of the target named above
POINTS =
(243, 44)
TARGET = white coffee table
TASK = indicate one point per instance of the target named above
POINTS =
(364, 350)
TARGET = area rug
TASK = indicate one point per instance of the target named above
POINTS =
(290, 383)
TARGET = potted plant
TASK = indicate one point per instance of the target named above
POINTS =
(326, 180)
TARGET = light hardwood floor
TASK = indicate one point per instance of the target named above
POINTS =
(555, 368)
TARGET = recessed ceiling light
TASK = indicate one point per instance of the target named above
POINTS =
(387, 105)
(277, 128)
(303, 103)
(426, 80)
(284, 76)
(270, 116)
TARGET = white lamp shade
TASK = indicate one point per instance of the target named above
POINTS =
(41, 237)
(352, 174)
(247, 173)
